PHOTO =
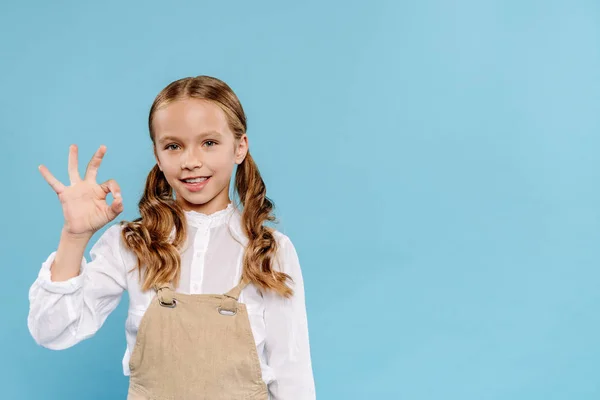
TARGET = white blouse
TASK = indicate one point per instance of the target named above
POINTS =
(64, 313)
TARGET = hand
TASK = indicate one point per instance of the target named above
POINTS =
(84, 202)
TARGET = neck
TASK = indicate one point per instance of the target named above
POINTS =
(206, 208)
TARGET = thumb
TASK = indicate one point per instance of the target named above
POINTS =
(116, 207)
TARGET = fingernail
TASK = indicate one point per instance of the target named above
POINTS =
(118, 194)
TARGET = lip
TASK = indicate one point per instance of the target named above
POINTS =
(195, 187)
(194, 177)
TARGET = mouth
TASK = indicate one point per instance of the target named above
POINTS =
(195, 179)
(196, 183)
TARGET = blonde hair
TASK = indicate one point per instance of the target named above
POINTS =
(148, 237)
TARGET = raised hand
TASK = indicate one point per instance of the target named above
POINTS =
(84, 202)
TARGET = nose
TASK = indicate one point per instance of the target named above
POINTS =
(191, 159)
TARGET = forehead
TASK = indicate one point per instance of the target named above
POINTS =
(189, 116)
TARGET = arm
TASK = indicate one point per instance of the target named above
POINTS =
(287, 341)
(67, 306)
(67, 260)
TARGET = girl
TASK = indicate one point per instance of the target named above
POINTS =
(217, 307)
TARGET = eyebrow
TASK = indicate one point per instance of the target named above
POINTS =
(199, 136)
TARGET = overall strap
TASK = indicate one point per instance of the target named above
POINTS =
(164, 293)
(237, 289)
(230, 299)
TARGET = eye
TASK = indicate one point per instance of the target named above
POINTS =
(210, 141)
(169, 145)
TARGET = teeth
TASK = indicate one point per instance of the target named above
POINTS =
(196, 180)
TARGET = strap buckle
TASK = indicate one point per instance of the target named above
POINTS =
(224, 311)
(168, 305)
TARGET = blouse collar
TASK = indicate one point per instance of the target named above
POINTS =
(230, 215)
(198, 219)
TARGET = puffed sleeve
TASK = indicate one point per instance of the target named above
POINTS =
(61, 314)
(287, 342)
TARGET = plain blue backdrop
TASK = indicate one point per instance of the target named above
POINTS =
(434, 162)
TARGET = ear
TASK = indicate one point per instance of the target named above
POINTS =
(241, 150)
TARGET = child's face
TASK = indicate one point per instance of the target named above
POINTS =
(192, 138)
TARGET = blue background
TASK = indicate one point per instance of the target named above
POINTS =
(434, 162)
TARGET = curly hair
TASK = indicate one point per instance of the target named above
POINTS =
(149, 237)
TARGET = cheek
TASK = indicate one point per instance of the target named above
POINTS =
(170, 170)
(223, 161)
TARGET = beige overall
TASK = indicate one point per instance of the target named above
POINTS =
(195, 346)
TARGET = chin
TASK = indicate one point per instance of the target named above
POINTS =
(198, 199)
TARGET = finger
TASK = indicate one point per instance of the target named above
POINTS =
(52, 181)
(73, 169)
(111, 186)
(116, 207)
(92, 169)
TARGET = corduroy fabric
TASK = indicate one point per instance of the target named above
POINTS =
(190, 346)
